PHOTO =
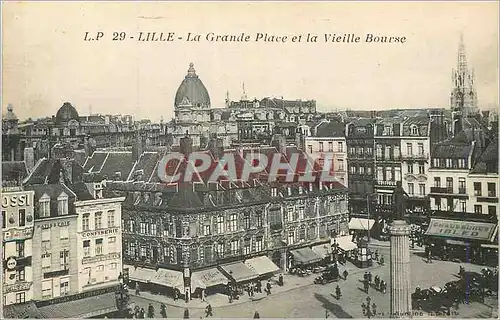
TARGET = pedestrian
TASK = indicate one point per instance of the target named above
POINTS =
(365, 284)
(142, 313)
(338, 294)
(370, 278)
(151, 311)
(256, 315)
(268, 287)
(208, 311)
(137, 289)
(345, 274)
(163, 310)
(280, 280)
(186, 313)
(376, 255)
(176, 295)
(377, 282)
(381, 260)
(326, 314)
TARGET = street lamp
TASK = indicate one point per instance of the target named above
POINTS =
(369, 310)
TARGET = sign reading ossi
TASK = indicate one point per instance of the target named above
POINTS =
(16, 200)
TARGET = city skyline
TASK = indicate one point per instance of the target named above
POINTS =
(51, 63)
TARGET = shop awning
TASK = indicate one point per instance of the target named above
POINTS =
(361, 224)
(261, 265)
(82, 308)
(140, 274)
(169, 278)
(322, 250)
(345, 243)
(207, 278)
(305, 256)
(462, 229)
(27, 310)
(239, 272)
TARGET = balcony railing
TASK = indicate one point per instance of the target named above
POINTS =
(417, 156)
(462, 191)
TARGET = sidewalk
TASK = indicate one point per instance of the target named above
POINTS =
(291, 282)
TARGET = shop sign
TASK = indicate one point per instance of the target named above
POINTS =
(16, 287)
(109, 256)
(99, 232)
(461, 229)
(16, 200)
(54, 224)
(17, 234)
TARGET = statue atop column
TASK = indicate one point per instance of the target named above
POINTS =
(399, 207)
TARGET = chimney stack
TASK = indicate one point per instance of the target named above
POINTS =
(29, 158)
(186, 145)
(279, 142)
(457, 127)
(216, 147)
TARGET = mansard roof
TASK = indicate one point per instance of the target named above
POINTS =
(488, 160)
(456, 147)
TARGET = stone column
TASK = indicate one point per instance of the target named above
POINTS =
(400, 269)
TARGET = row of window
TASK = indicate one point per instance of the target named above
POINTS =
(321, 147)
(421, 189)
(449, 184)
(360, 151)
(47, 265)
(491, 192)
(98, 221)
(98, 246)
(44, 205)
(48, 287)
(461, 206)
(450, 163)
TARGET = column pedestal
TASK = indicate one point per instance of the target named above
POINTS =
(400, 270)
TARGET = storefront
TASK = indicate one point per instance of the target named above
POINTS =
(345, 246)
(304, 257)
(140, 276)
(360, 227)
(211, 280)
(263, 266)
(165, 281)
(238, 272)
(458, 240)
(324, 251)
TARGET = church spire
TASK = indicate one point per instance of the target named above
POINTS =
(462, 57)
(244, 95)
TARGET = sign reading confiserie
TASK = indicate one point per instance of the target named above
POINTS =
(104, 232)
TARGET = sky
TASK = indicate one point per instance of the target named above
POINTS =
(46, 61)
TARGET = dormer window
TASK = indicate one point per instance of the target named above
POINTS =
(44, 206)
(414, 130)
(274, 192)
(387, 131)
(301, 189)
(62, 204)
(98, 190)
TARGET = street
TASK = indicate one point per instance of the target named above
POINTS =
(312, 301)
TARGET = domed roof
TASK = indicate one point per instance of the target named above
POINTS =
(192, 91)
(10, 115)
(66, 113)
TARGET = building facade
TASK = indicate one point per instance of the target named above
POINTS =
(55, 263)
(361, 165)
(329, 139)
(17, 245)
(415, 158)
(99, 241)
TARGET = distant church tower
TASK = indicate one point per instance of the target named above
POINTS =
(463, 95)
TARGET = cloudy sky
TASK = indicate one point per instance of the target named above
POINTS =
(47, 62)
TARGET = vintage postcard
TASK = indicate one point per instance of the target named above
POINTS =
(250, 159)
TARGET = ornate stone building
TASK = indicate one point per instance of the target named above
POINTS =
(192, 227)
